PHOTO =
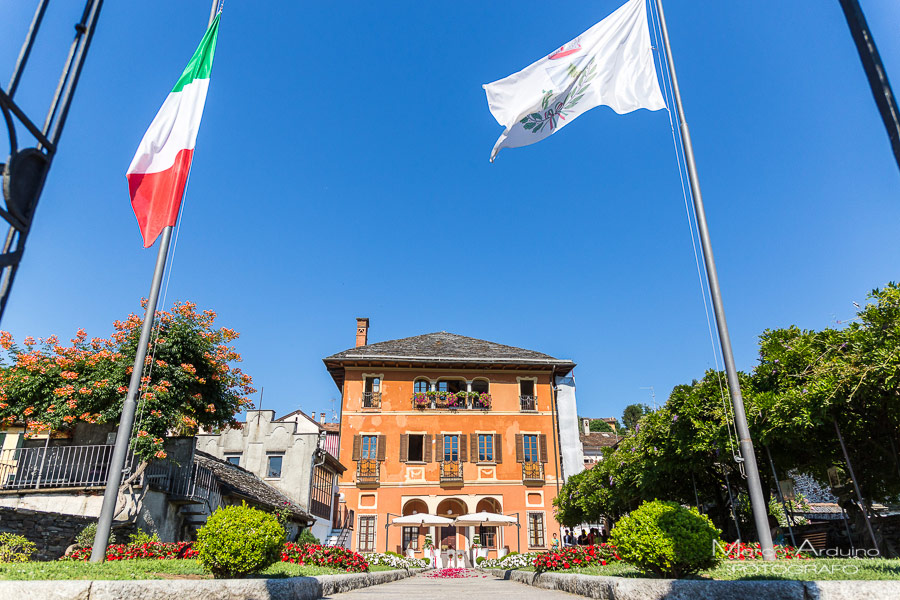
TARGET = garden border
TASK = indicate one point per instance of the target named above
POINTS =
(626, 588)
(296, 588)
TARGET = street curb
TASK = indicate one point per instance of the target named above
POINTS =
(295, 588)
(623, 588)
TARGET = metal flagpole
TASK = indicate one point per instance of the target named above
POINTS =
(760, 513)
(126, 422)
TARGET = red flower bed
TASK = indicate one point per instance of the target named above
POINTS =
(571, 557)
(335, 557)
(155, 550)
(742, 551)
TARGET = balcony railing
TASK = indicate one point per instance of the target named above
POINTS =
(452, 400)
(527, 402)
(451, 471)
(371, 400)
(532, 472)
(188, 483)
(367, 472)
(57, 467)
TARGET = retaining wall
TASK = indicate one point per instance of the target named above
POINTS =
(293, 588)
(52, 533)
(624, 588)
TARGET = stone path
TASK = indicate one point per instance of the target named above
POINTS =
(475, 585)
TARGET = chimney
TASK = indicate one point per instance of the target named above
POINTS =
(362, 332)
(322, 419)
(586, 425)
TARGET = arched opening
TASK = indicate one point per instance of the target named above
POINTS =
(421, 386)
(490, 505)
(415, 507)
(450, 508)
(482, 386)
(488, 534)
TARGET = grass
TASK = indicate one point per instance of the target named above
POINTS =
(147, 569)
(798, 570)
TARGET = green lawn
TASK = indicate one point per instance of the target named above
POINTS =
(146, 569)
(802, 570)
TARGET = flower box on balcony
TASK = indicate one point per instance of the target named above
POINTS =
(482, 401)
(442, 399)
(421, 400)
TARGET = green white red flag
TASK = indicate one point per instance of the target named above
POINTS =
(159, 171)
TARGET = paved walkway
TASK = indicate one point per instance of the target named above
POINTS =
(475, 586)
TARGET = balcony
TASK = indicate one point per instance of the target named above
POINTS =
(451, 400)
(367, 473)
(533, 473)
(527, 402)
(371, 400)
(451, 473)
(57, 467)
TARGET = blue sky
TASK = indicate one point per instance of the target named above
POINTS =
(342, 171)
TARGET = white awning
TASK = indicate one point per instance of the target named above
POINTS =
(484, 518)
(422, 520)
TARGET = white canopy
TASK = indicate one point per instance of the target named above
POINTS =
(484, 518)
(422, 520)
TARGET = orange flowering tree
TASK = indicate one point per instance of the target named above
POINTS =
(189, 379)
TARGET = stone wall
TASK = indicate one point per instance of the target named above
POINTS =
(51, 532)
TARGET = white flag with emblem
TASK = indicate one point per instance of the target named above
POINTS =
(611, 64)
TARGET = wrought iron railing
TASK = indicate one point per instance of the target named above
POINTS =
(451, 400)
(532, 471)
(58, 467)
(451, 471)
(371, 400)
(192, 483)
(367, 471)
(527, 402)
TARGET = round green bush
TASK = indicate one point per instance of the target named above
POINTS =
(239, 540)
(667, 540)
(479, 560)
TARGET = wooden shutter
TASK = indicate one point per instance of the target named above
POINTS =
(357, 442)
(474, 447)
(498, 448)
(404, 447)
(543, 447)
(439, 447)
(427, 454)
(520, 448)
(382, 446)
(463, 449)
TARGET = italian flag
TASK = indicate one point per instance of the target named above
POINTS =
(160, 168)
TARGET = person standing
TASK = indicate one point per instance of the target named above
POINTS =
(554, 543)
(569, 539)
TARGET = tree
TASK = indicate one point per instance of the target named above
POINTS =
(601, 426)
(633, 414)
(188, 382)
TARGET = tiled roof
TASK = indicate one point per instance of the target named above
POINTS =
(599, 439)
(333, 427)
(241, 482)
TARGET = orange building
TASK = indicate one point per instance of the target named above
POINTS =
(444, 424)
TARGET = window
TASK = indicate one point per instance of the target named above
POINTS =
(530, 446)
(372, 393)
(451, 448)
(488, 536)
(416, 450)
(485, 447)
(420, 386)
(451, 385)
(234, 459)
(321, 497)
(373, 385)
(411, 538)
(274, 468)
(482, 387)
(526, 387)
(369, 447)
(366, 542)
(536, 530)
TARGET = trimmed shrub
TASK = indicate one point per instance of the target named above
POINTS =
(85, 538)
(667, 540)
(306, 537)
(239, 540)
(15, 548)
(479, 559)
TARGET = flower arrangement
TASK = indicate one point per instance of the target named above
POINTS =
(153, 550)
(476, 541)
(481, 400)
(442, 399)
(421, 400)
(335, 557)
(398, 562)
(429, 542)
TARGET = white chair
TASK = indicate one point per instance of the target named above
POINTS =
(410, 553)
(438, 562)
(502, 552)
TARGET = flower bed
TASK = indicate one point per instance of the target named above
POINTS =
(153, 550)
(335, 557)
(742, 551)
(393, 560)
(572, 557)
(511, 561)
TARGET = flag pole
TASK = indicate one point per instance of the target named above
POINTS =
(758, 503)
(129, 407)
